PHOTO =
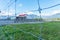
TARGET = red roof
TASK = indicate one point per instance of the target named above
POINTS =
(22, 15)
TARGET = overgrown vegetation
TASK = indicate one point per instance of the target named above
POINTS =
(50, 31)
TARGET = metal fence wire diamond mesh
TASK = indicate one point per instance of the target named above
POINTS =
(21, 27)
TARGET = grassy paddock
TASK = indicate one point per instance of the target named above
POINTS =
(50, 31)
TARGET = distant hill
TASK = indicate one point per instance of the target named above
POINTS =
(32, 16)
(57, 15)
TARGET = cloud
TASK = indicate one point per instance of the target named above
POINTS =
(42, 14)
(56, 11)
(37, 13)
(52, 13)
(46, 14)
(29, 13)
(6, 13)
(12, 13)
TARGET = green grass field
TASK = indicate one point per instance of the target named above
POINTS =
(50, 31)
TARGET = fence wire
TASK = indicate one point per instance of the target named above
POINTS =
(6, 35)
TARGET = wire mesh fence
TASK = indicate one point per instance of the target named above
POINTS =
(21, 28)
(6, 33)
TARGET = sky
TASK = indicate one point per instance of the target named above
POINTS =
(25, 7)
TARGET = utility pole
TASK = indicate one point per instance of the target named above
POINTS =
(15, 12)
(39, 10)
(15, 8)
(0, 11)
(8, 13)
(41, 26)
